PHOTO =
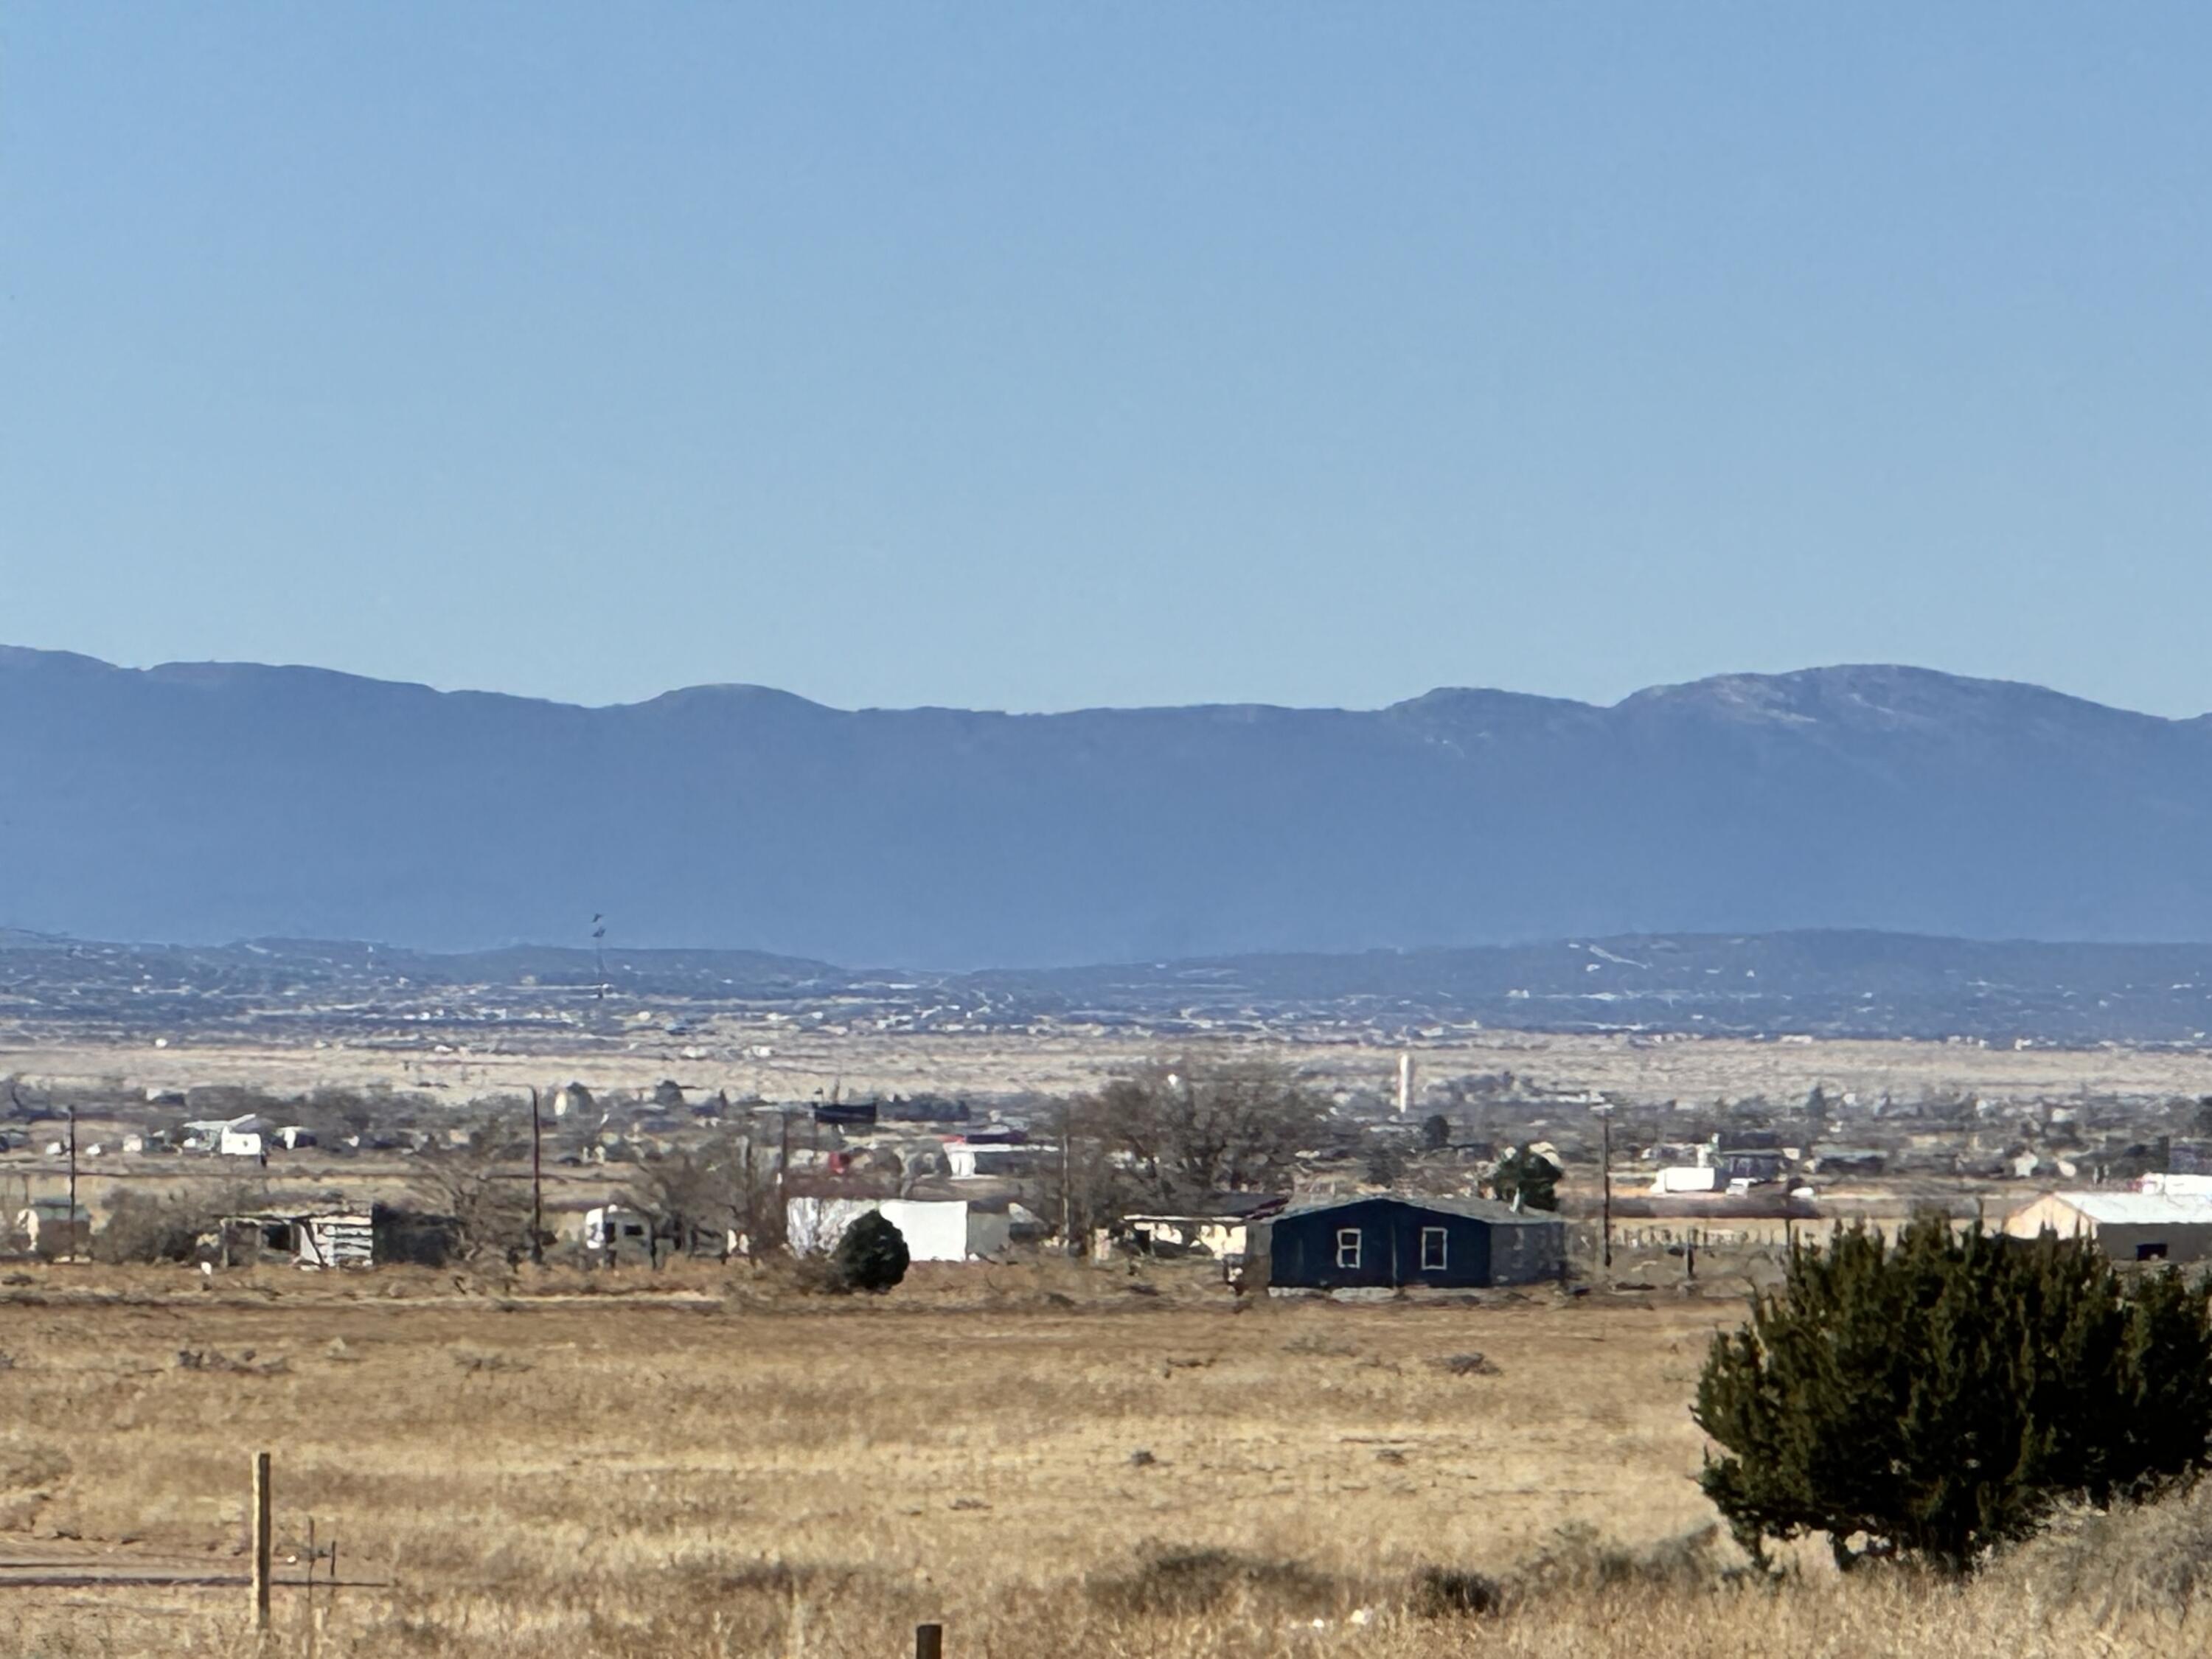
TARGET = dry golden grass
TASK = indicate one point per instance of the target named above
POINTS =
(724, 1469)
(864, 1062)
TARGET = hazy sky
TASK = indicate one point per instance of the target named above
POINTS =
(1031, 357)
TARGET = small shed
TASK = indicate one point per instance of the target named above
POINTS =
(618, 1233)
(331, 1238)
(1390, 1241)
(2127, 1226)
(334, 1238)
(49, 1227)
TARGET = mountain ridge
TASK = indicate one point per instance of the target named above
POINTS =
(1719, 687)
(215, 801)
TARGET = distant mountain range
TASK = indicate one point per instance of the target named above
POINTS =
(1817, 984)
(200, 803)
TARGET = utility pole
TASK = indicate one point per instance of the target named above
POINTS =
(1605, 1173)
(537, 1182)
(72, 1195)
(1066, 1227)
(783, 1168)
(752, 1196)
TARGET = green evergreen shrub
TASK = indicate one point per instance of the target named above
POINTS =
(1530, 1176)
(1937, 1395)
(871, 1256)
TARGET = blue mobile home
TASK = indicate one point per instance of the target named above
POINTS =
(1387, 1242)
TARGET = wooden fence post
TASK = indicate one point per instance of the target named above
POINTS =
(929, 1641)
(261, 1542)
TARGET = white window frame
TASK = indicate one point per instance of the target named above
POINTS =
(1441, 1238)
(1347, 1248)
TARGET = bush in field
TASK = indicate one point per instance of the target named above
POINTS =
(141, 1227)
(871, 1256)
(1188, 1582)
(1934, 1396)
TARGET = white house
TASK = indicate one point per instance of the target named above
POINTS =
(240, 1142)
(935, 1229)
(207, 1134)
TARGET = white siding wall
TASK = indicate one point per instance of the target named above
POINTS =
(935, 1230)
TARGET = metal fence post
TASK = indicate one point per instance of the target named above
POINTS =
(261, 1541)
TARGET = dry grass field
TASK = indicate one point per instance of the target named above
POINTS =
(1050, 1459)
(864, 1064)
(1047, 1459)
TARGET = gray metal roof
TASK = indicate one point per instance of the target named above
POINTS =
(1221, 1207)
(1475, 1209)
(2138, 1209)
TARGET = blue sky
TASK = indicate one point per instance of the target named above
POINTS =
(1037, 356)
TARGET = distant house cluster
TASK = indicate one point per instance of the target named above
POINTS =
(961, 1186)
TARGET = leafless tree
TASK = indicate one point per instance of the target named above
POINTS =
(483, 1184)
(1086, 1187)
(143, 1226)
(726, 1186)
(1185, 1127)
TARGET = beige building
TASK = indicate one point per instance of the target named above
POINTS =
(2127, 1226)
